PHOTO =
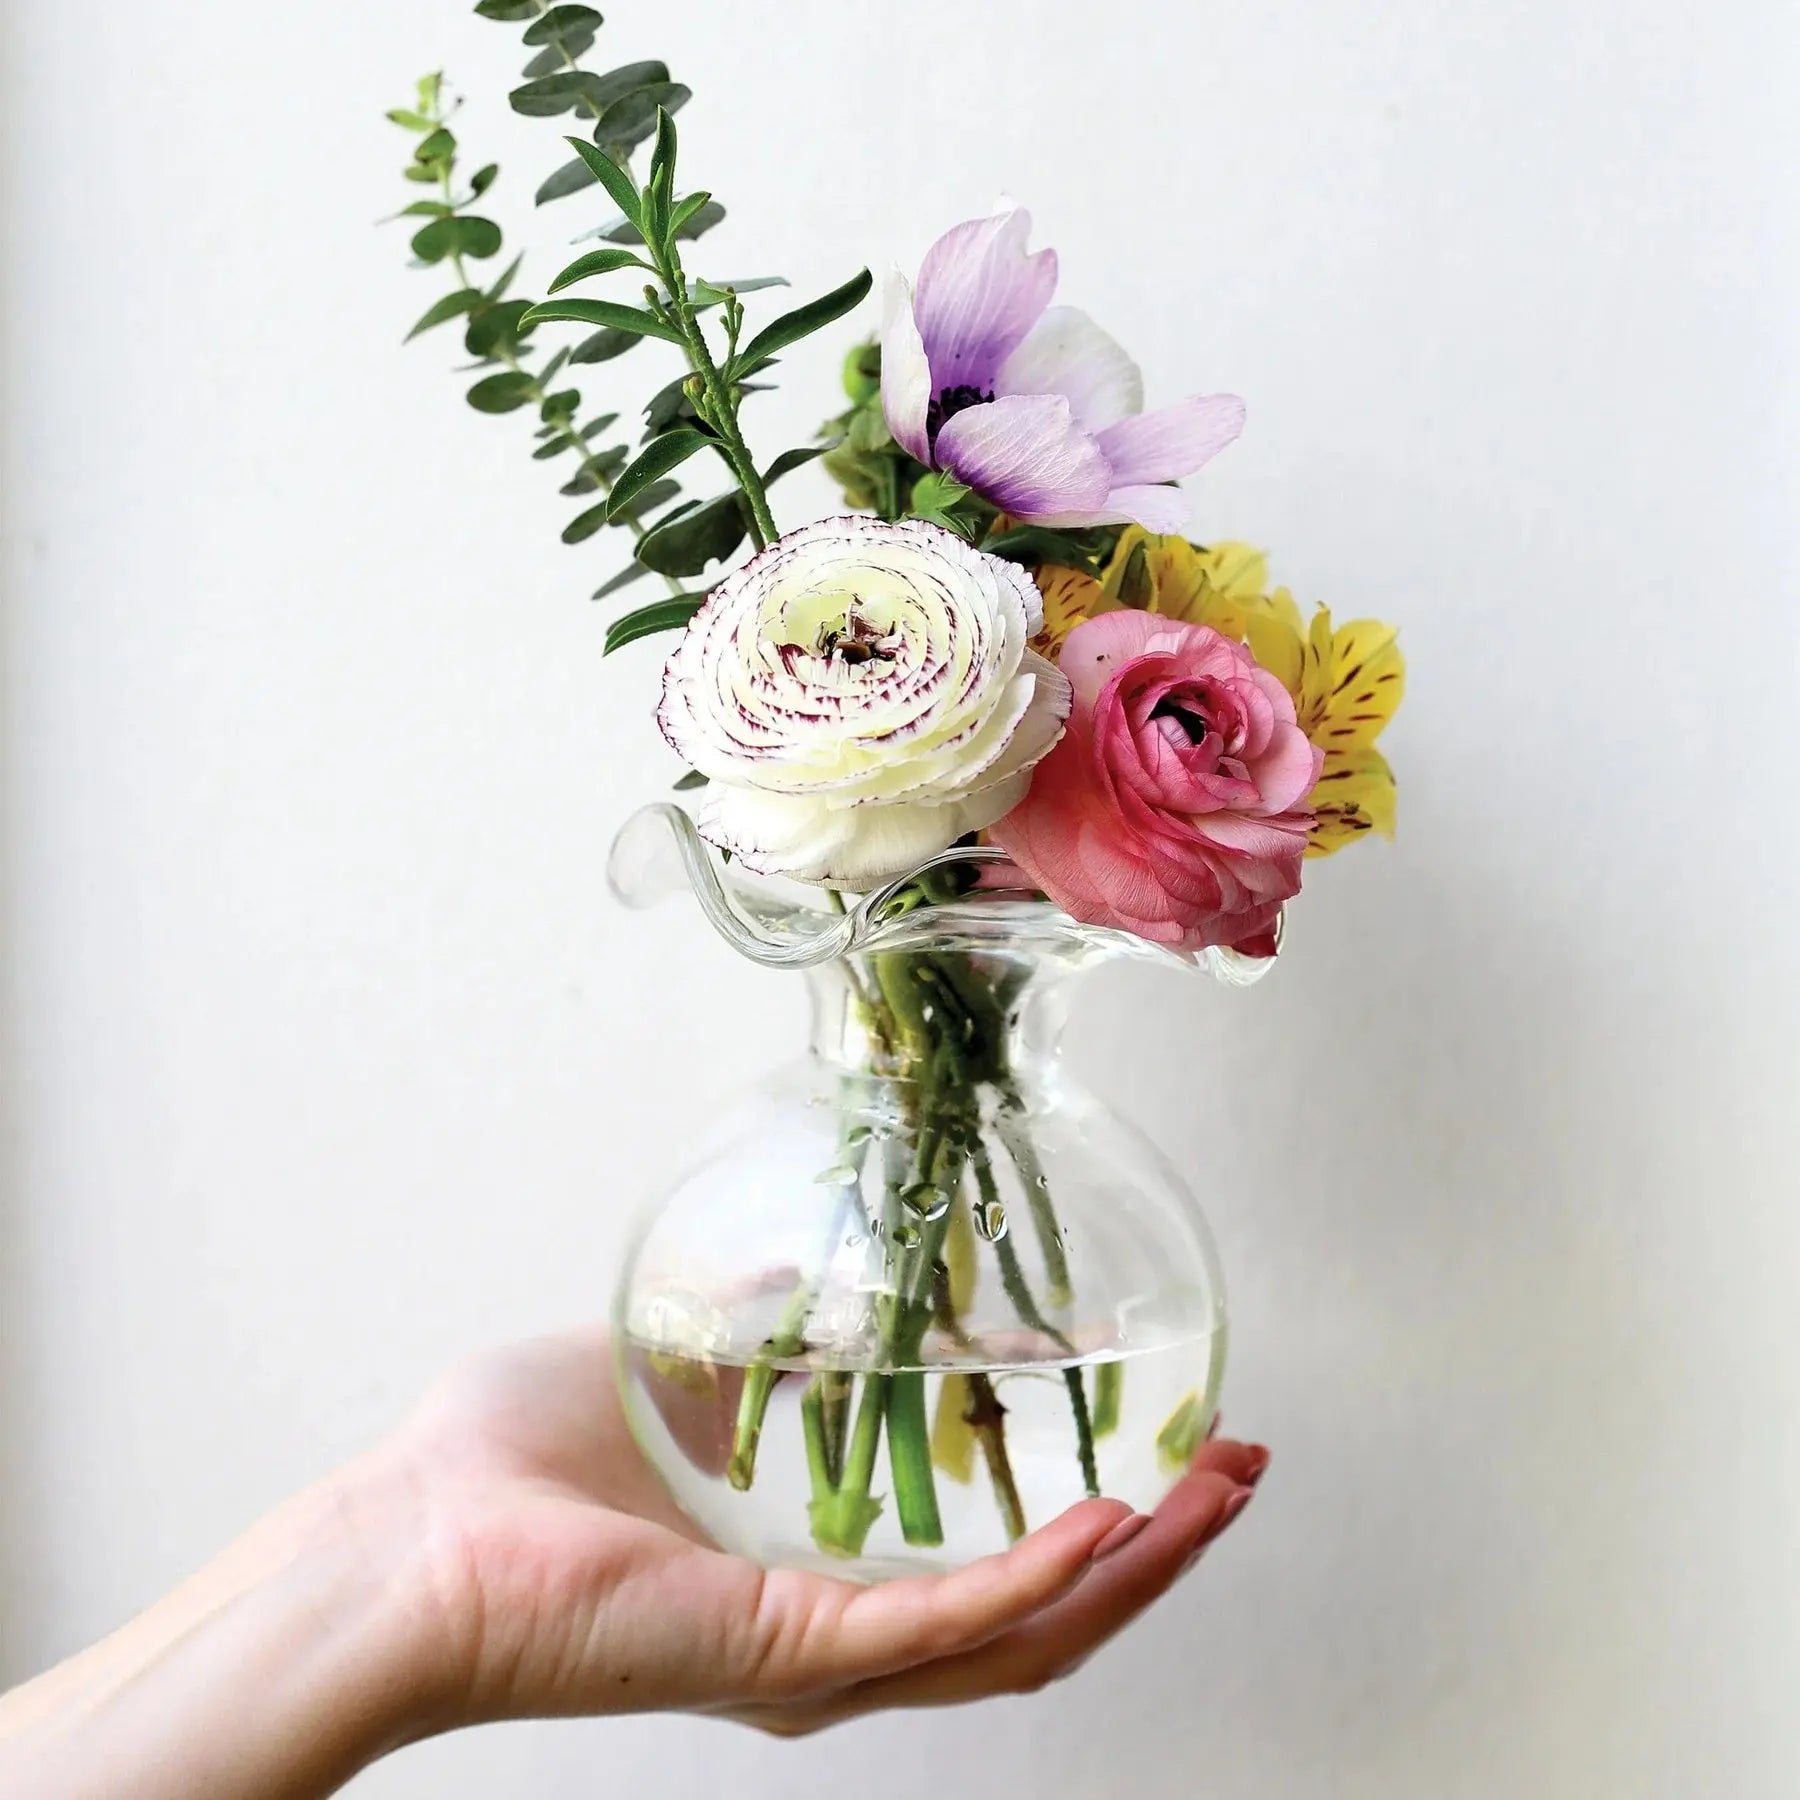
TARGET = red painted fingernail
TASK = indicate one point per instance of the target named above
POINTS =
(1259, 1462)
(1232, 1507)
(1120, 1535)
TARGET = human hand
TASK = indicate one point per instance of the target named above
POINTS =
(569, 1582)
(508, 1553)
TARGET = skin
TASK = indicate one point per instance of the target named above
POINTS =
(508, 1554)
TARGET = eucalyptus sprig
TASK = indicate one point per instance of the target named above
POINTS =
(619, 110)
(702, 410)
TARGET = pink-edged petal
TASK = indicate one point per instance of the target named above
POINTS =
(1068, 354)
(979, 293)
(1175, 441)
(905, 372)
(1026, 454)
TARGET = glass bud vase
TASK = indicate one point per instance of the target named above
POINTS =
(920, 1290)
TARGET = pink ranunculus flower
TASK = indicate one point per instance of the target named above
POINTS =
(1175, 805)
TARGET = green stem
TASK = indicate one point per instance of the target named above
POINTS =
(1084, 1431)
(1016, 1136)
(721, 407)
(987, 1419)
(909, 1456)
(1109, 1396)
(786, 1340)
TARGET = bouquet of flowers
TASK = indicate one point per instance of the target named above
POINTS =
(999, 718)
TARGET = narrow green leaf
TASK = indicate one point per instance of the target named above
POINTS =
(594, 427)
(421, 209)
(411, 120)
(686, 209)
(549, 372)
(465, 235)
(667, 452)
(615, 180)
(508, 10)
(596, 262)
(585, 524)
(560, 21)
(450, 307)
(483, 179)
(685, 545)
(430, 87)
(604, 312)
(501, 393)
(660, 615)
(715, 293)
(603, 346)
(790, 460)
(415, 173)
(802, 322)
(506, 278)
(690, 781)
(658, 493)
(668, 405)
(633, 571)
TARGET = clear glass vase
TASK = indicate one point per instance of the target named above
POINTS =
(919, 1291)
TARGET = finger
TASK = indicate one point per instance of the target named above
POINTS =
(812, 1634)
(1061, 1636)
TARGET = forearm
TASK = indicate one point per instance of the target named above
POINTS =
(297, 1658)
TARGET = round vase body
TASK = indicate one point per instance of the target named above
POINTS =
(920, 1291)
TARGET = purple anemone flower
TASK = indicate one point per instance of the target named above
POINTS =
(1033, 405)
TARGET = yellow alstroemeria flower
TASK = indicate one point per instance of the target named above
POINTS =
(1346, 683)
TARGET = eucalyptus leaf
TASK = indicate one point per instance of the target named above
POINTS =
(604, 312)
(421, 209)
(596, 262)
(685, 545)
(509, 10)
(435, 148)
(552, 368)
(627, 79)
(506, 278)
(585, 524)
(464, 235)
(411, 120)
(496, 324)
(571, 178)
(559, 93)
(667, 452)
(633, 118)
(452, 306)
(802, 322)
(502, 393)
(603, 346)
(560, 408)
(559, 55)
(633, 571)
(562, 21)
(660, 615)
(483, 179)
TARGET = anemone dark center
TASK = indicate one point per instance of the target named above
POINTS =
(949, 403)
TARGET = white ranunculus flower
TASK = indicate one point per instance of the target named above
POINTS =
(859, 696)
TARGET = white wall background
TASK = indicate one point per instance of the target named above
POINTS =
(327, 1057)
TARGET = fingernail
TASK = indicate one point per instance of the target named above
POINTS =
(1232, 1507)
(1120, 1535)
(1259, 1462)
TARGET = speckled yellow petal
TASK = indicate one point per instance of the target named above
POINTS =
(1355, 795)
(1368, 679)
(1276, 638)
(1070, 596)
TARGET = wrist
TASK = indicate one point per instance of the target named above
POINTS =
(313, 1646)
